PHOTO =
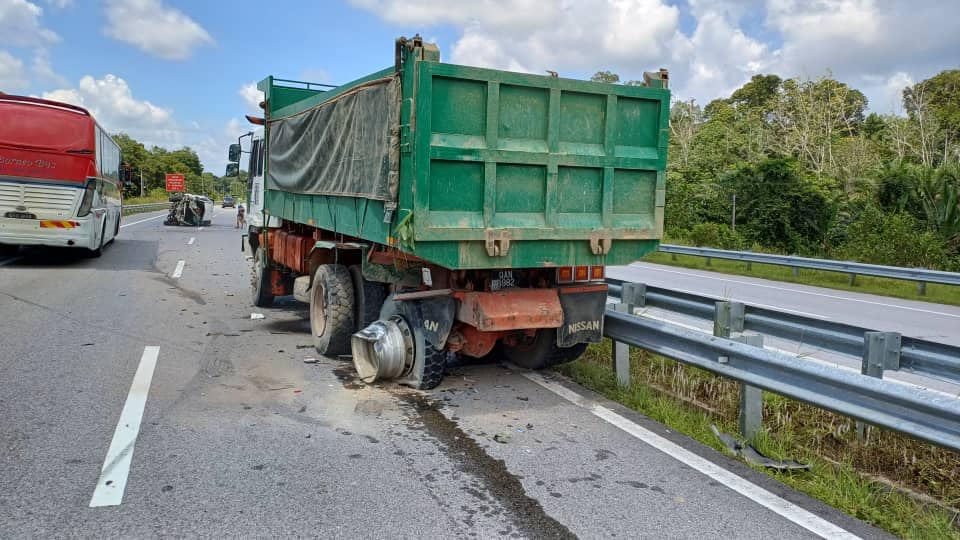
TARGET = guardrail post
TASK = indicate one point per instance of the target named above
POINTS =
(796, 271)
(621, 351)
(727, 318)
(751, 397)
(922, 288)
(673, 256)
(708, 261)
(881, 350)
(853, 280)
(634, 294)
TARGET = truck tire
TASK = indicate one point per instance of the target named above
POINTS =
(368, 298)
(429, 365)
(260, 280)
(332, 309)
(540, 351)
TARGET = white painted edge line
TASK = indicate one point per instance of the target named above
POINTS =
(190, 242)
(10, 260)
(798, 291)
(784, 508)
(116, 467)
(143, 220)
(178, 271)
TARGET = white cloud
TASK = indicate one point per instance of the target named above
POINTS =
(157, 29)
(252, 98)
(12, 76)
(43, 69)
(111, 101)
(60, 4)
(20, 25)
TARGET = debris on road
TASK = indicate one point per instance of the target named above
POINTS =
(257, 316)
(502, 438)
(753, 456)
(309, 360)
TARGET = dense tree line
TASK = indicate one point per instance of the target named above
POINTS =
(154, 163)
(798, 166)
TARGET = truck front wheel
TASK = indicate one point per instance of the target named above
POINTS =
(331, 309)
(540, 350)
(260, 280)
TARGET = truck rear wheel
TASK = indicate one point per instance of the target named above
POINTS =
(332, 309)
(368, 298)
(260, 280)
(540, 351)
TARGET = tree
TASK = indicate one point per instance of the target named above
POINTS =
(778, 207)
(685, 120)
(605, 77)
(760, 92)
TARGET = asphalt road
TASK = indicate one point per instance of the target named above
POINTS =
(239, 437)
(924, 320)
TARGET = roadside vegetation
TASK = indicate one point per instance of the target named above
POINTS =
(899, 484)
(797, 166)
(152, 164)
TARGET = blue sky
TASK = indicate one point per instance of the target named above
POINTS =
(175, 73)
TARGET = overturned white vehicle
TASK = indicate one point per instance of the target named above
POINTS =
(189, 210)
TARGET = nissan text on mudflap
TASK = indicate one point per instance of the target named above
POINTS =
(430, 210)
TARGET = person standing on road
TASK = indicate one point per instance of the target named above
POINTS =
(241, 219)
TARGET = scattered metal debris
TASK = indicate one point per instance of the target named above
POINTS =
(753, 456)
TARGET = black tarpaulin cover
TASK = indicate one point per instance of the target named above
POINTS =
(348, 145)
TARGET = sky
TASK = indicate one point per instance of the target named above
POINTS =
(175, 73)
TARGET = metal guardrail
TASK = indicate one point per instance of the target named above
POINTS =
(901, 353)
(921, 275)
(146, 207)
(926, 415)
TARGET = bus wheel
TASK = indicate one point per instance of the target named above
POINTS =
(331, 309)
(95, 253)
(260, 280)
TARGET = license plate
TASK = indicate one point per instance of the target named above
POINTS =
(582, 316)
(502, 279)
(20, 215)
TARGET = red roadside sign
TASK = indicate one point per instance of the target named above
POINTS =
(175, 182)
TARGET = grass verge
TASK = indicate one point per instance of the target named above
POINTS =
(941, 294)
(844, 470)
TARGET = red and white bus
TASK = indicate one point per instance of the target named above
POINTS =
(59, 176)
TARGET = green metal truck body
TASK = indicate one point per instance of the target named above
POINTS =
(500, 169)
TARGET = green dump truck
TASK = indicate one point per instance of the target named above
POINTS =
(431, 210)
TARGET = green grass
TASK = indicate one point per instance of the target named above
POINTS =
(941, 294)
(664, 390)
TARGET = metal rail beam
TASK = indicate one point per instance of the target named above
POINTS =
(926, 415)
(911, 274)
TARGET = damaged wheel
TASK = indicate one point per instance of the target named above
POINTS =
(331, 309)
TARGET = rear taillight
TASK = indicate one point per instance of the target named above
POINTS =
(87, 201)
(571, 274)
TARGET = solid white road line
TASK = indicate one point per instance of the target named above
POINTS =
(178, 271)
(10, 260)
(784, 508)
(190, 243)
(116, 467)
(142, 220)
(798, 291)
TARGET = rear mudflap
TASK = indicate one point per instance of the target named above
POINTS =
(583, 309)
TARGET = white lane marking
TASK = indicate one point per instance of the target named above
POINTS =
(635, 265)
(749, 303)
(178, 271)
(142, 220)
(116, 467)
(190, 242)
(11, 260)
(787, 509)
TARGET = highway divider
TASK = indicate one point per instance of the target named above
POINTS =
(730, 352)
